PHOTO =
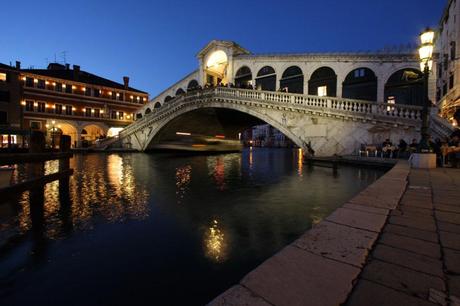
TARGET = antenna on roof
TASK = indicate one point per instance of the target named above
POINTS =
(64, 57)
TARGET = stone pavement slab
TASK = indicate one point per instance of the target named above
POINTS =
(357, 219)
(238, 296)
(296, 277)
(426, 224)
(402, 279)
(452, 260)
(369, 209)
(409, 260)
(449, 227)
(339, 242)
(449, 217)
(447, 208)
(450, 240)
(430, 236)
(367, 293)
(454, 285)
(410, 244)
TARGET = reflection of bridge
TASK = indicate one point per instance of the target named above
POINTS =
(332, 125)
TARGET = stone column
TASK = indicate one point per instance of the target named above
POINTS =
(380, 89)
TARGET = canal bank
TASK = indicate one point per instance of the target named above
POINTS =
(395, 243)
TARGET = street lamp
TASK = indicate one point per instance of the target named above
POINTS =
(426, 64)
(53, 130)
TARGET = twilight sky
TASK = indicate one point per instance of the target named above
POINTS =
(155, 42)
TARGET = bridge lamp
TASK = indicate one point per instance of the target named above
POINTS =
(426, 64)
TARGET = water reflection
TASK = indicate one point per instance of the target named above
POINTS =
(183, 178)
(214, 240)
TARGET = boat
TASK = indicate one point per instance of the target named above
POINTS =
(6, 172)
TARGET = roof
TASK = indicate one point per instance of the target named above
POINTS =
(83, 77)
(6, 67)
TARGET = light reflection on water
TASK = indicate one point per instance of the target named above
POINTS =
(144, 223)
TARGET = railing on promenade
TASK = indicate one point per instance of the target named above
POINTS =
(332, 105)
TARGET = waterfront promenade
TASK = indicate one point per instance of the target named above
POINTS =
(395, 243)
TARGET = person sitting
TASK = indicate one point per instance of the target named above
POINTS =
(402, 147)
(413, 146)
(387, 148)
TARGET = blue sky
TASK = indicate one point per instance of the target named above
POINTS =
(155, 42)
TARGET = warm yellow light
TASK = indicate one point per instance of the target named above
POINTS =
(118, 113)
(47, 83)
(59, 126)
(54, 106)
(47, 106)
(131, 97)
(92, 110)
(35, 104)
(35, 81)
(183, 133)
(23, 78)
(118, 94)
(74, 87)
(143, 99)
(83, 88)
(74, 109)
(53, 122)
(102, 111)
(47, 125)
(110, 93)
(425, 52)
(427, 37)
(54, 83)
(64, 85)
(64, 107)
(23, 102)
(423, 64)
(127, 117)
(217, 58)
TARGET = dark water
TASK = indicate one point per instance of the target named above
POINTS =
(139, 229)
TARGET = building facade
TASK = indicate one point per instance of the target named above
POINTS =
(64, 100)
(448, 64)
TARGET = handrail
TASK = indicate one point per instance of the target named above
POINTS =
(336, 105)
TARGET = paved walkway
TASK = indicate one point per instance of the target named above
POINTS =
(416, 260)
(395, 243)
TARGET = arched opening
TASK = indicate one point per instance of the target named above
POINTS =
(292, 80)
(405, 86)
(138, 116)
(243, 77)
(266, 79)
(216, 68)
(361, 84)
(157, 105)
(192, 85)
(323, 82)
(57, 130)
(179, 92)
(148, 110)
(90, 133)
(167, 99)
(186, 129)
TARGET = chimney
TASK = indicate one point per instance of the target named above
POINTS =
(76, 72)
(18, 65)
(126, 81)
(67, 66)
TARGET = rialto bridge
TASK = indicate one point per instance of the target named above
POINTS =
(335, 102)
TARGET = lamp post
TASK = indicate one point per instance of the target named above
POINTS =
(53, 130)
(426, 64)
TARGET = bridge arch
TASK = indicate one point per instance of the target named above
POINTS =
(361, 84)
(192, 85)
(148, 110)
(274, 122)
(266, 79)
(167, 99)
(180, 91)
(323, 82)
(157, 105)
(292, 79)
(243, 77)
(405, 86)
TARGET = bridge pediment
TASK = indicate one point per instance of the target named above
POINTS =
(230, 46)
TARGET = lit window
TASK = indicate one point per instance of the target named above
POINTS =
(68, 110)
(88, 112)
(58, 109)
(41, 106)
(322, 91)
(29, 106)
(2, 77)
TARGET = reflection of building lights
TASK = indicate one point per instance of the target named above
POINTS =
(183, 133)
(214, 243)
(300, 161)
(198, 145)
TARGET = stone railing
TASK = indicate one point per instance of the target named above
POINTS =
(440, 126)
(371, 110)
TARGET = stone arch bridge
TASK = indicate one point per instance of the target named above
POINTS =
(330, 125)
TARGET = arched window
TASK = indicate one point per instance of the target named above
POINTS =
(192, 85)
(138, 115)
(361, 84)
(292, 80)
(179, 92)
(323, 82)
(266, 79)
(148, 111)
(243, 77)
(405, 86)
(167, 99)
(157, 105)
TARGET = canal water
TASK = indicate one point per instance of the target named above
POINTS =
(158, 229)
